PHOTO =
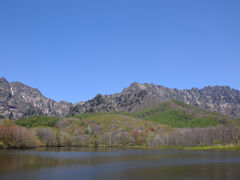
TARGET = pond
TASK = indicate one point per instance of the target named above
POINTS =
(118, 164)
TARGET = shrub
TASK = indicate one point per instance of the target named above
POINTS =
(37, 121)
(14, 136)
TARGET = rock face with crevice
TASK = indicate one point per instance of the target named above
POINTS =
(138, 96)
(18, 100)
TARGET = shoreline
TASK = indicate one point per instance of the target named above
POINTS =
(226, 147)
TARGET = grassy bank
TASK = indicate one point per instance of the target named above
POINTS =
(227, 147)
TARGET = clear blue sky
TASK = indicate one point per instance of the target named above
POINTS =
(74, 49)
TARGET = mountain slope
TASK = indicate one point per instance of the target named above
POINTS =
(221, 99)
(181, 115)
(18, 100)
(173, 113)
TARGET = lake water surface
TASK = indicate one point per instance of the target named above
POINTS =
(119, 164)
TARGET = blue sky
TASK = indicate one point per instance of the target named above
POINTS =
(74, 49)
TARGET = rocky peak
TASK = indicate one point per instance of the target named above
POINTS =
(4, 85)
(134, 87)
(3, 80)
(138, 96)
(18, 100)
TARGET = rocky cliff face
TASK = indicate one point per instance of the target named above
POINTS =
(222, 99)
(18, 100)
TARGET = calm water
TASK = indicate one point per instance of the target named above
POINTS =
(90, 163)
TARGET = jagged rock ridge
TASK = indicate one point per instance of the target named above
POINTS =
(138, 96)
(18, 100)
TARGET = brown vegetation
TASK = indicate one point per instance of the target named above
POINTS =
(15, 136)
(109, 129)
(204, 136)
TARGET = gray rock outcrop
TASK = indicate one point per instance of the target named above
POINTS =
(18, 100)
(138, 96)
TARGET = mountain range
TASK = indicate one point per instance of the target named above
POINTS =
(18, 100)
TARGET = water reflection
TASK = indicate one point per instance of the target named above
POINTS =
(113, 163)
